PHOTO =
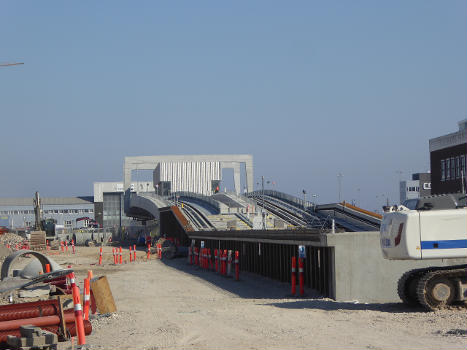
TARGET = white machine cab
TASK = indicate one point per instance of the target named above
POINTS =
(427, 228)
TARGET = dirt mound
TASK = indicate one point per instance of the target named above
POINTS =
(11, 239)
(4, 252)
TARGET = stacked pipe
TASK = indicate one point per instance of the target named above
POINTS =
(42, 314)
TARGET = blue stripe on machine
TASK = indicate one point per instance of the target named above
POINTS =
(448, 244)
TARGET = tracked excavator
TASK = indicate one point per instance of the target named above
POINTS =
(433, 227)
(46, 225)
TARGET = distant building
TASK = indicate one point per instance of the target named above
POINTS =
(19, 212)
(109, 202)
(419, 186)
(448, 161)
(196, 177)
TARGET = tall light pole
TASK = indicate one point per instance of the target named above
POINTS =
(262, 196)
(304, 200)
(339, 180)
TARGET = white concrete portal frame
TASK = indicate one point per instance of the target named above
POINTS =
(227, 161)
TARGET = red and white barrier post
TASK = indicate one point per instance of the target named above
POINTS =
(66, 246)
(134, 252)
(62, 247)
(196, 256)
(229, 262)
(224, 262)
(210, 259)
(237, 265)
(148, 254)
(121, 256)
(100, 256)
(73, 245)
(114, 256)
(301, 276)
(87, 298)
(78, 311)
(47, 268)
(294, 276)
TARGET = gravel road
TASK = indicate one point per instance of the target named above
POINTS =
(171, 305)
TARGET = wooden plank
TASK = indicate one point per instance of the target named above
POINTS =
(62, 328)
(103, 295)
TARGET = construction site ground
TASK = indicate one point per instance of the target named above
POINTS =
(172, 305)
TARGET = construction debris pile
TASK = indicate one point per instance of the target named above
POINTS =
(11, 239)
(42, 302)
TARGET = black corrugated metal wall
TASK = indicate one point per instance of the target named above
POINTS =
(274, 260)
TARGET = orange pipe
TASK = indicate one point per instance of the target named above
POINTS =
(36, 321)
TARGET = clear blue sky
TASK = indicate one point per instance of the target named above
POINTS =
(309, 88)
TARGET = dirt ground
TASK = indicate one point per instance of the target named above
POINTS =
(172, 305)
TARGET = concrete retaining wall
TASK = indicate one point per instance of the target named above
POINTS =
(362, 274)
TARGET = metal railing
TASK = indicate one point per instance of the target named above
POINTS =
(298, 202)
(220, 207)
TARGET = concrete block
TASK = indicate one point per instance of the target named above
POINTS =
(35, 291)
(28, 331)
(35, 341)
(50, 338)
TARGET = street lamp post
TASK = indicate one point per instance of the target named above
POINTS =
(262, 197)
(304, 199)
(315, 200)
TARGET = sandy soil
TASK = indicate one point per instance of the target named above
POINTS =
(169, 304)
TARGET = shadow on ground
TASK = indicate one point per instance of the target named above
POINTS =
(252, 286)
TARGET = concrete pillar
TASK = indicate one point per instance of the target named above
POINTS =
(249, 174)
(236, 169)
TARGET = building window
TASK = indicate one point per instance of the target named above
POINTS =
(463, 165)
(68, 223)
(453, 168)
(448, 170)
(443, 170)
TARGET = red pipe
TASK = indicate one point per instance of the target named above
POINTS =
(36, 321)
(38, 311)
(70, 327)
(28, 305)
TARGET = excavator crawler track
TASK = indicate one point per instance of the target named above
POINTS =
(432, 288)
(436, 289)
(406, 284)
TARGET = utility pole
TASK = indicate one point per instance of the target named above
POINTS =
(304, 200)
(262, 195)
